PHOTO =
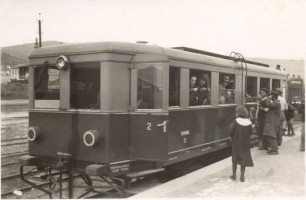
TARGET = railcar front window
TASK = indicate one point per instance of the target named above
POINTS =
(226, 88)
(149, 87)
(85, 86)
(46, 86)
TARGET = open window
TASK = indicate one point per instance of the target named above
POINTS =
(265, 83)
(251, 89)
(199, 87)
(46, 86)
(275, 84)
(226, 88)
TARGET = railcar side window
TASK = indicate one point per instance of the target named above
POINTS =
(275, 84)
(174, 86)
(46, 86)
(226, 88)
(251, 93)
(265, 83)
(199, 87)
(149, 87)
(85, 86)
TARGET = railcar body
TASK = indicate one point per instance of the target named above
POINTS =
(113, 109)
(296, 90)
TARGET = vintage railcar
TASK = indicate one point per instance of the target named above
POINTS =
(121, 110)
(296, 89)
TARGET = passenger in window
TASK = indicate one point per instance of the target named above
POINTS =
(229, 99)
(193, 98)
(224, 84)
(204, 90)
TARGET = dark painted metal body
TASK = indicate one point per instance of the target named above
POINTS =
(125, 137)
(62, 136)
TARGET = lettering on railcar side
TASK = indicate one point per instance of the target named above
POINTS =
(206, 149)
(173, 158)
(120, 168)
(184, 133)
(222, 144)
(64, 154)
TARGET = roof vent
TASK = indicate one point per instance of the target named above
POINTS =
(142, 42)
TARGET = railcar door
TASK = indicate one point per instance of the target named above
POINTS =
(149, 107)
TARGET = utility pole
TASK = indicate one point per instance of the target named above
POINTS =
(39, 30)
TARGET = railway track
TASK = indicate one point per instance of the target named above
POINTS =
(14, 141)
(136, 186)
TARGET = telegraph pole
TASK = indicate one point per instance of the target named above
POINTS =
(39, 30)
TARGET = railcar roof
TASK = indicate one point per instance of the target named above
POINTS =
(135, 48)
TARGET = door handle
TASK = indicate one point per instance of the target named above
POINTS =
(164, 125)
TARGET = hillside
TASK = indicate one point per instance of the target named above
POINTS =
(18, 55)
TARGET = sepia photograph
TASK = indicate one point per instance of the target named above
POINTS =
(141, 99)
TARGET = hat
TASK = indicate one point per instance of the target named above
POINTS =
(265, 90)
(279, 91)
(275, 93)
(226, 79)
(203, 77)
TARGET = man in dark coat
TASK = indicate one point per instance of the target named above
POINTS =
(261, 117)
(272, 123)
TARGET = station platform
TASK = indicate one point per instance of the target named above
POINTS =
(274, 176)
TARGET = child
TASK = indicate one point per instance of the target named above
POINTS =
(240, 133)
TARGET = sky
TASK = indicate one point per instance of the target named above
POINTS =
(254, 28)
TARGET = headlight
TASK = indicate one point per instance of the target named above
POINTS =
(62, 62)
(33, 133)
(91, 138)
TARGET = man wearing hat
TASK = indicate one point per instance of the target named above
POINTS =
(222, 89)
(262, 111)
(284, 107)
(272, 123)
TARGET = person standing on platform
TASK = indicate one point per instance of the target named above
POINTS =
(240, 132)
(272, 123)
(262, 111)
(302, 111)
(289, 114)
(282, 119)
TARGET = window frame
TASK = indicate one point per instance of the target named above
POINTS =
(53, 104)
(233, 75)
(199, 72)
(165, 87)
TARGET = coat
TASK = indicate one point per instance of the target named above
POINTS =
(273, 118)
(240, 132)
